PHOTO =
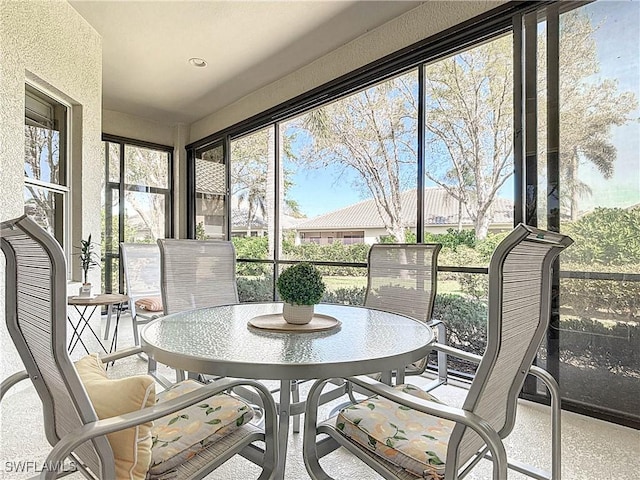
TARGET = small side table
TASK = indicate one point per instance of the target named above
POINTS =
(82, 305)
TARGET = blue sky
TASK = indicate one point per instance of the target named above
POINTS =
(321, 191)
(620, 22)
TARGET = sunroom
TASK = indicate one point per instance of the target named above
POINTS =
(345, 124)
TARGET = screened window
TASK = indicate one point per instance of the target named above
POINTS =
(210, 193)
(528, 115)
(137, 200)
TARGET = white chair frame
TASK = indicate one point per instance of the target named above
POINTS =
(36, 319)
(519, 297)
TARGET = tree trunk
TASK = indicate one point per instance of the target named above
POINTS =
(398, 232)
(572, 175)
(482, 226)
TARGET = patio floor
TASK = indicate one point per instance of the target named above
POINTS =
(591, 448)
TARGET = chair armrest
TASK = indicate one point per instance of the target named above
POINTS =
(69, 442)
(148, 316)
(12, 380)
(456, 352)
(126, 352)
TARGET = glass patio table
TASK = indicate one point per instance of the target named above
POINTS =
(219, 341)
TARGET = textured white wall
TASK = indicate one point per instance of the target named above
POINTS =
(50, 45)
(130, 126)
(415, 25)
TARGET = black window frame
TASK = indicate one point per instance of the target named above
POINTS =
(108, 256)
(507, 18)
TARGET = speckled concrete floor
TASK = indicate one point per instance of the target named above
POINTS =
(592, 449)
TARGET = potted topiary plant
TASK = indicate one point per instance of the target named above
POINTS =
(300, 287)
(88, 259)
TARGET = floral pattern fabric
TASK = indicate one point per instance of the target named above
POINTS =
(412, 440)
(181, 435)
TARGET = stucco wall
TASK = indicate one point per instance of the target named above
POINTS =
(130, 126)
(50, 45)
(415, 25)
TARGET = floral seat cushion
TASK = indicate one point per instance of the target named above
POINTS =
(412, 440)
(180, 436)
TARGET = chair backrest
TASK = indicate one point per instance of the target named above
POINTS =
(36, 316)
(141, 266)
(196, 274)
(402, 278)
(520, 278)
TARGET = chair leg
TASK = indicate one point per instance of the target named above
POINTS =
(134, 322)
(441, 335)
(134, 326)
(556, 409)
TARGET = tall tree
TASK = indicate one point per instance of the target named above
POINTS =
(469, 123)
(589, 107)
(371, 133)
(253, 180)
(249, 172)
(469, 127)
(146, 167)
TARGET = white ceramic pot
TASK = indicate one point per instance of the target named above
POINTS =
(297, 314)
(85, 290)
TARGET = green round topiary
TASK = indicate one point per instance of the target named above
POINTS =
(301, 284)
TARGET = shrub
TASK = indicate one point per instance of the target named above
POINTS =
(607, 344)
(613, 297)
(334, 252)
(253, 248)
(255, 289)
(453, 238)
(606, 236)
(346, 296)
(301, 284)
(465, 319)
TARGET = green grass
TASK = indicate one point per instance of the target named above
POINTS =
(335, 282)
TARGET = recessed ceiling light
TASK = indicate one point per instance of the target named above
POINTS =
(198, 62)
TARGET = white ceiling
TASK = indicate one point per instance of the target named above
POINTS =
(247, 44)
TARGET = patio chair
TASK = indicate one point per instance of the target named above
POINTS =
(102, 425)
(402, 278)
(141, 266)
(197, 274)
(406, 433)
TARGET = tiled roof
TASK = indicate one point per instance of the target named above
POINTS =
(209, 177)
(440, 209)
(240, 217)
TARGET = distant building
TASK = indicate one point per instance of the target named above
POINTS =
(361, 222)
(255, 225)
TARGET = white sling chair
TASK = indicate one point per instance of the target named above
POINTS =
(402, 278)
(73, 397)
(405, 433)
(141, 267)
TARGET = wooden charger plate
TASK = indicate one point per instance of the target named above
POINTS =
(275, 322)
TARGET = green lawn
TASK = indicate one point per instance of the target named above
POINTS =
(335, 282)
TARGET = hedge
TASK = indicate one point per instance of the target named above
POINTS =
(613, 345)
